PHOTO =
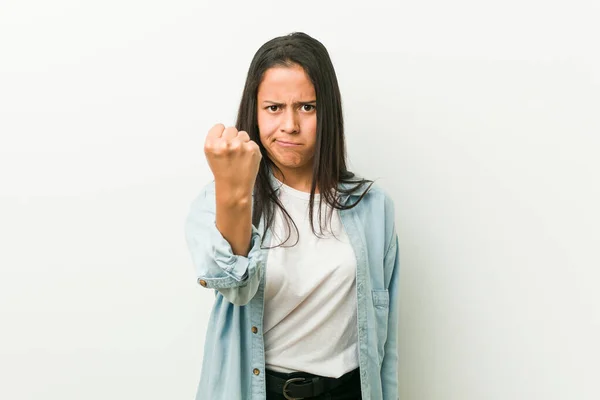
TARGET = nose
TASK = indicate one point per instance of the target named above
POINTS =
(289, 124)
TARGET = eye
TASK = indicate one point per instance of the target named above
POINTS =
(272, 108)
(308, 107)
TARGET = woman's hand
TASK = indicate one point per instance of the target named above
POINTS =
(234, 160)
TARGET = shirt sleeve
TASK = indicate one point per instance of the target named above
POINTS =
(217, 267)
(389, 367)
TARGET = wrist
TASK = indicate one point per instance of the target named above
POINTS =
(232, 196)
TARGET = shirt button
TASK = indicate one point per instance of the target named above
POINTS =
(256, 371)
(254, 329)
(202, 282)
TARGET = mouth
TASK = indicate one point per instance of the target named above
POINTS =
(287, 144)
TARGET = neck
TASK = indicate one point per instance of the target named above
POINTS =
(296, 181)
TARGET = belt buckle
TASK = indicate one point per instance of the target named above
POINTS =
(285, 385)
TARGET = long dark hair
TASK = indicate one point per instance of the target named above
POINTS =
(329, 162)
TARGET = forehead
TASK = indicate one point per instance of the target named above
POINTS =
(281, 83)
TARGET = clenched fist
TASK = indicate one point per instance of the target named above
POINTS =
(233, 158)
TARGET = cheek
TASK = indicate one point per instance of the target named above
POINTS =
(266, 125)
(309, 126)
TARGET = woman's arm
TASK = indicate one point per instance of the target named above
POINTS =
(217, 266)
(389, 367)
(234, 218)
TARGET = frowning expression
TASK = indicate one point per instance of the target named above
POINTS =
(287, 118)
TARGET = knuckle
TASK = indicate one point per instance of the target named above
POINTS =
(218, 149)
(244, 135)
(223, 145)
(235, 146)
(208, 146)
(218, 128)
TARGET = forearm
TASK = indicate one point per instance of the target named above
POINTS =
(236, 276)
(234, 218)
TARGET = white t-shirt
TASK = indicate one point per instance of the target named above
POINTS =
(310, 321)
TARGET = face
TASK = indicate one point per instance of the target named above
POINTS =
(287, 120)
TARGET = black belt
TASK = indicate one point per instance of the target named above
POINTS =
(295, 387)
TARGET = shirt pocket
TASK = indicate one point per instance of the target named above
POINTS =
(381, 304)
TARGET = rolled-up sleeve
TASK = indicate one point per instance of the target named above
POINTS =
(236, 277)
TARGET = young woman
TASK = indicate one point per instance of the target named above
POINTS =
(301, 253)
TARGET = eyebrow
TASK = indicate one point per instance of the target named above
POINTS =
(297, 103)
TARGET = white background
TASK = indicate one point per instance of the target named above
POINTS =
(480, 118)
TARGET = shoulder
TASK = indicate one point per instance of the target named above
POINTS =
(389, 216)
(385, 197)
(377, 196)
(379, 190)
(377, 211)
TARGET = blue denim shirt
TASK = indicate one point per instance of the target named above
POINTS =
(233, 366)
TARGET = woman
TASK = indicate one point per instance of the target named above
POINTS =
(302, 254)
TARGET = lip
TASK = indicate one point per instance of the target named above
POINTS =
(287, 144)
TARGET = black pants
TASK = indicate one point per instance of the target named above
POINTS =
(350, 390)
